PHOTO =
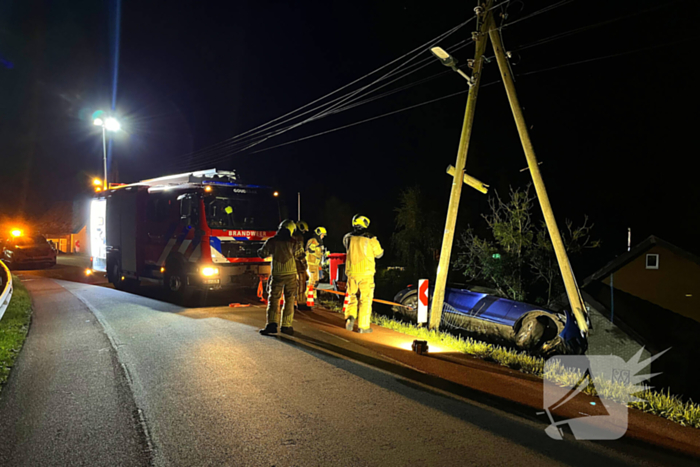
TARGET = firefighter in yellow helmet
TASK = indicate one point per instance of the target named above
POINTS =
(283, 280)
(314, 256)
(302, 267)
(362, 249)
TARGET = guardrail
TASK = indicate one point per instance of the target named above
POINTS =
(5, 288)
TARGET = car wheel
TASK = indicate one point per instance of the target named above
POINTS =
(529, 336)
(410, 306)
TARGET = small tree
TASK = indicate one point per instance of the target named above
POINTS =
(502, 262)
(416, 240)
(543, 261)
(520, 257)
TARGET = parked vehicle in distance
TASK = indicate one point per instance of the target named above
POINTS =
(531, 328)
(31, 251)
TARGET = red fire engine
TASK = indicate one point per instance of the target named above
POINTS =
(198, 230)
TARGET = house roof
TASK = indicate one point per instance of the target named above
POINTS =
(629, 256)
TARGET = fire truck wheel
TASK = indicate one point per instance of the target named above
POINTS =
(116, 276)
(176, 285)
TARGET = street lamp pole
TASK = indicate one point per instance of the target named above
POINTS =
(110, 124)
(104, 156)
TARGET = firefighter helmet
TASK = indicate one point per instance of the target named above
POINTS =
(320, 231)
(302, 226)
(359, 221)
(288, 224)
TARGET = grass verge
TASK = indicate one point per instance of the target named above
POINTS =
(666, 405)
(13, 328)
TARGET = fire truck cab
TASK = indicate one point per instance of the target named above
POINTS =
(198, 230)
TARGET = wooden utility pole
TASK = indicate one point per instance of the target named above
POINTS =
(457, 178)
(572, 291)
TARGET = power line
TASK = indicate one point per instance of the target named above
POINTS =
(608, 56)
(465, 91)
(348, 105)
(260, 127)
(538, 12)
(336, 107)
(592, 26)
(363, 121)
(218, 146)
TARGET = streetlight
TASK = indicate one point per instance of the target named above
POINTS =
(108, 124)
(450, 61)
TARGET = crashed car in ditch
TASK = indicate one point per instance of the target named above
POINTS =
(531, 328)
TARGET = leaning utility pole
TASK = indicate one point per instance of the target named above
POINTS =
(572, 291)
(457, 178)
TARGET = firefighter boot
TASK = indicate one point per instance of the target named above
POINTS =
(288, 330)
(364, 331)
(350, 323)
(271, 328)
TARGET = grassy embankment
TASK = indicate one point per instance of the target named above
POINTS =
(662, 404)
(13, 328)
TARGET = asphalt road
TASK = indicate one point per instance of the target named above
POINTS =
(153, 383)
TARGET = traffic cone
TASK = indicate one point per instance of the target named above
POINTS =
(261, 293)
(310, 296)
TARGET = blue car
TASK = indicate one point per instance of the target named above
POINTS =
(529, 327)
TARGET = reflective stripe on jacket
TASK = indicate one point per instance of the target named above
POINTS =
(362, 249)
(284, 251)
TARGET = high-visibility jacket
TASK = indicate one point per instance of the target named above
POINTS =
(362, 249)
(284, 251)
(314, 253)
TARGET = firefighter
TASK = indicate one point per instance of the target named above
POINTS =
(302, 274)
(362, 249)
(314, 255)
(283, 280)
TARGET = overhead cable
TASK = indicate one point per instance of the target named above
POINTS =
(419, 48)
(333, 107)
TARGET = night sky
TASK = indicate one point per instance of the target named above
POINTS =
(617, 136)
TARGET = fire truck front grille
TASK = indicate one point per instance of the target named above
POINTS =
(240, 249)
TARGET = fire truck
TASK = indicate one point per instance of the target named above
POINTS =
(199, 230)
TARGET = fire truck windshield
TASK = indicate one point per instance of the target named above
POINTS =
(253, 210)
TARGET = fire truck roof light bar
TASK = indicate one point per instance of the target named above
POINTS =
(189, 177)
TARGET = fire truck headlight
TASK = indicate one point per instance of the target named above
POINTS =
(208, 272)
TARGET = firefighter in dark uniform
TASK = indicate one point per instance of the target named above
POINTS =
(283, 278)
(299, 236)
